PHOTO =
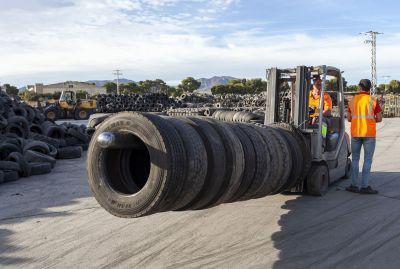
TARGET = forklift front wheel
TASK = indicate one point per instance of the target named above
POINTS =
(318, 180)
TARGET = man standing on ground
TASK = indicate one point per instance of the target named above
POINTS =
(363, 113)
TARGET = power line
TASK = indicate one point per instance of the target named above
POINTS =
(118, 73)
(372, 41)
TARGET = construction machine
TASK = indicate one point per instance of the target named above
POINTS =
(69, 107)
(288, 101)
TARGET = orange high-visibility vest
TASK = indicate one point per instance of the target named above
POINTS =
(363, 123)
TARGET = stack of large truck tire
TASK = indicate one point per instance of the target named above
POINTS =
(143, 163)
(30, 144)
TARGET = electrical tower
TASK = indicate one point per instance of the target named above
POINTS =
(118, 73)
(372, 41)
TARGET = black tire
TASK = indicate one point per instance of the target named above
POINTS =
(23, 164)
(304, 145)
(3, 122)
(229, 116)
(34, 156)
(51, 141)
(36, 128)
(249, 162)
(216, 162)
(155, 171)
(96, 119)
(51, 113)
(78, 134)
(82, 114)
(69, 152)
(272, 166)
(296, 156)
(7, 148)
(52, 151)
(263, 160)
(20, 111)
(234, 164)
(1, 176)
(16, 129)
(52, 130)
(318, 180)
(10, 175)
(38, 146)
(196, 162)
(10, 165)
(38, 168)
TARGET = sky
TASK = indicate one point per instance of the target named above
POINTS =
(48, 41)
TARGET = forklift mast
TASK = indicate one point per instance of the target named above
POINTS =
(294, 110)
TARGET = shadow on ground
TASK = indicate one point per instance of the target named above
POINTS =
(50, 195)
(341, 229)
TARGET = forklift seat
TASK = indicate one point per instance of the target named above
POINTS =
(332, 136)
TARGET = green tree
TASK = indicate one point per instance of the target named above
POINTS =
(11, 89)
(189, 84)
(56, 95)
(157, 85)
(111, 87)
(352, 88)
(394, 86)
(129, 88)
(80, 94)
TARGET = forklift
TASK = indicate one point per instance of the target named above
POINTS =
(69, 107)
(288, 101)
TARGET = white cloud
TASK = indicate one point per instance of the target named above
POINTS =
(93, 37)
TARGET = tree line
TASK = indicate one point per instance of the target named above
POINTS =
(189, 85)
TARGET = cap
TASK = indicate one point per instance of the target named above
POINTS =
(365, 84)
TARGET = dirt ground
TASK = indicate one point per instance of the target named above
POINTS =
(53, 221)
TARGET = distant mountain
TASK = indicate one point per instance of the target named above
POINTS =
(102, 82)
(22, 89)
(208, 83)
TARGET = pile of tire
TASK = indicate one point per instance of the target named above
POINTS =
(239, 101)
(148, 102)
(142, 163)
(30, 144)
(238, 116)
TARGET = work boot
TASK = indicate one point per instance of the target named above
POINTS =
(368, 190)
(353, 188)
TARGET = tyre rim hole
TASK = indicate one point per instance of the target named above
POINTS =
(128, 169)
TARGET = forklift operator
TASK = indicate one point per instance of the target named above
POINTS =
(314, 101)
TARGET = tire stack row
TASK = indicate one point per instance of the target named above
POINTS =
(238, 116)
(149, 102)
(159, 163)
(30, 144)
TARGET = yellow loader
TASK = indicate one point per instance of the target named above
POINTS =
(69, 107)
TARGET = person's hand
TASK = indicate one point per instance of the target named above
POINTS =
(314, 120)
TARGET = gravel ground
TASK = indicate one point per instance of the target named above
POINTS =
(52, 221)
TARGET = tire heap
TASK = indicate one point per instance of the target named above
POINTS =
(30, 144)
(240, 101)
(149, 102)
(142, 163)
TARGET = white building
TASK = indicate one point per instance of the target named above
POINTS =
(68, 85)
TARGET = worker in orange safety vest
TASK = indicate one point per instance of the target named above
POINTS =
(363, 112)
(314, 99)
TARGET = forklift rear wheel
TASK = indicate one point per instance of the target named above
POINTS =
(347, 174)
(51, 114)
(82, 114)
(318, 180)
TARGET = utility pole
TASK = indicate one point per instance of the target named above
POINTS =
(372, 41)
(386, 79)
(118, 73)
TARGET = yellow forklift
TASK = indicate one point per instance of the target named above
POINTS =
(69, 107)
